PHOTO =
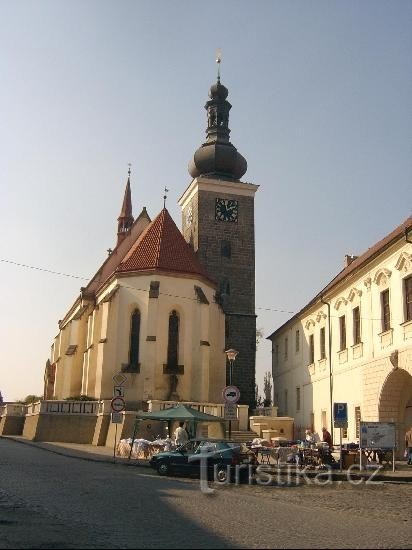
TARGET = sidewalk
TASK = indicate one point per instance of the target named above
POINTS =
(77, 450)
(402, 474)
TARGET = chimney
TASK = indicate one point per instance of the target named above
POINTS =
(349, 259)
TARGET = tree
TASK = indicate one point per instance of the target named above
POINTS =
(259, 335)
(267, 389)
(31, 398)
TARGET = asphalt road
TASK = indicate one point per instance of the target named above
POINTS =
(53, 501)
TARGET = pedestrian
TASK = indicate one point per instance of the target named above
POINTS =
(180, 434)
(309, 437)
(408, 445)
(327, 438)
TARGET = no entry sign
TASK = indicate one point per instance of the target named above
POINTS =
(118, 404)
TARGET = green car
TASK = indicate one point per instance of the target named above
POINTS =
(222, 460)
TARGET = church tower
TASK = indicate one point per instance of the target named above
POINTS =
(125, 219)
(218, 221)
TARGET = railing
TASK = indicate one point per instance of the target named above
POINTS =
(265, 411)
(63, 407)
(12, 409)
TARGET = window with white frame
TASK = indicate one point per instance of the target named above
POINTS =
(386, 310)
(311, 349)
(342, 333)
(322, 350)
(356, 326)
(407, 283)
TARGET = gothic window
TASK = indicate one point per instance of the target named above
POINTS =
(173, 340)
(134, 339)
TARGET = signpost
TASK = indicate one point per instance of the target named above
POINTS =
(231, 395)
(340, 420)
(118, 404)
(230, 411)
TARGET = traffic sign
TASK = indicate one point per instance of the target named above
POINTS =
(231, 394)
(118, 404)
(118, 391)
(117, 418)
(120, 379)
(230, 411)
(340, 415)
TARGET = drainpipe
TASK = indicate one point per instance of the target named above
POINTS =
(330, 366)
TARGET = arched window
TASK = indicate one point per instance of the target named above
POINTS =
(134, 340)
(173, 341)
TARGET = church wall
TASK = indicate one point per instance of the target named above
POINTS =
(203, 368)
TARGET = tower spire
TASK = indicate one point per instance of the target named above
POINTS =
(125, 219)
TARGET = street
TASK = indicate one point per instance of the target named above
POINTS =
(53, 501)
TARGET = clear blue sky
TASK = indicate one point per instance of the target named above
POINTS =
(322, 97)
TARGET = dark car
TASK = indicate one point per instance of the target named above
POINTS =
(222, 458)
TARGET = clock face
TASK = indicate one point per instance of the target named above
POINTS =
(189, 215)
(226, 210)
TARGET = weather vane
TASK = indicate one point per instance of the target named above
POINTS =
(165, 197)
(218, 61)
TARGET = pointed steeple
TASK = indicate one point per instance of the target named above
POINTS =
(125, 219)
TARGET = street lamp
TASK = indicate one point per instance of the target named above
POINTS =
(231, 354)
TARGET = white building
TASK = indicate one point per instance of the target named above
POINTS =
(352, 343)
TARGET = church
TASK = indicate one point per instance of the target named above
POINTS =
(166, 303)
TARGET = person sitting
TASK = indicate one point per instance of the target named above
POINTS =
(327, 438)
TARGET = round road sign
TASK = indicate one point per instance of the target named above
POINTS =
(231, 394)
(118, 404)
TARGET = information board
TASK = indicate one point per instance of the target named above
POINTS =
(377, 435)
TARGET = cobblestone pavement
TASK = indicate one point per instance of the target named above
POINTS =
(53, 501)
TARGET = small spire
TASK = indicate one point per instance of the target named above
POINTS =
(125, 219)
(165, 197)
(218, 61)
(129, 164)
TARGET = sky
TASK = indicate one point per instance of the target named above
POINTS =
(321, 95)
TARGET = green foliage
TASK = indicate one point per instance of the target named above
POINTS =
(267, 389)
(80, 398)
(31, 399)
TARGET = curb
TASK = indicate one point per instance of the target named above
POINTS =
(74, 453)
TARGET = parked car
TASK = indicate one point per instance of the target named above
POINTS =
(224, 458)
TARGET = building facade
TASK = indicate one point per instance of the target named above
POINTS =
(352, 343)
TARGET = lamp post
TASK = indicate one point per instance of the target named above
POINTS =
(231, 354)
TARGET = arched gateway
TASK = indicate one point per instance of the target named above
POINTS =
(395, 404)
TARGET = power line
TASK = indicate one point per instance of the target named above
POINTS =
(80, 277)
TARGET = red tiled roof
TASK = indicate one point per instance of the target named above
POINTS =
(355, 265)
(162, 247)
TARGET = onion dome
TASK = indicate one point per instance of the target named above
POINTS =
(217, 156)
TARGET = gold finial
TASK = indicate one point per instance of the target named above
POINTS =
(218, 61)
(165, 197)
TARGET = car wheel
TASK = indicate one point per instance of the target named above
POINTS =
(222, 474)
(163, 468)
